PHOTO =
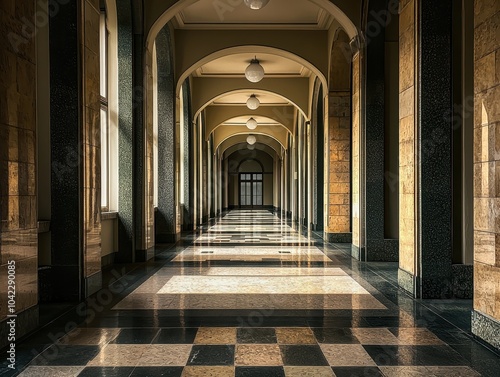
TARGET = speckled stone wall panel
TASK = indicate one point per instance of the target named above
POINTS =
(486, 316)
(375, 138)
(18, 206)
(126, 237)
(426, 138)
(66, 151)
(435, 147)
(91, 158)
(166, 231)
(142, 136)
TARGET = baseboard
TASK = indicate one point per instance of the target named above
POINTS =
(144, 255)
(93, 283)
(486, 328)
(338, 237)
(407, 281)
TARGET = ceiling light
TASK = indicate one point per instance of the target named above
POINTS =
(256, 4)
(251, 147)
(252, 124)
(251, 139)
(253, 102)
(254, 72)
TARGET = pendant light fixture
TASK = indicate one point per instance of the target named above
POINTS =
(256, 4)
(254, 72)
(251, 139)
(252, 124)
(253, 102)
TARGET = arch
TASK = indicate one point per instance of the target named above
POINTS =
(262, 170)
(258, 146)
(241, 139)
(224, 133)
(344, 11)
(318, 66)
(217, 116)
(208, 90)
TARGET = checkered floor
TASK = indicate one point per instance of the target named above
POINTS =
(249, 351)
(251, 296)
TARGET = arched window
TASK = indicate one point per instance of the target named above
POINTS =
(108, 41)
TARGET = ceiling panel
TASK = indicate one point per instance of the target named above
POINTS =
(234, 66)
(278, 14)
(241, 99)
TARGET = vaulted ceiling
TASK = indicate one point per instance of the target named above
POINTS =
(292, 41)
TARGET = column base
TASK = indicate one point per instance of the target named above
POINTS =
(93, 283)
(486, 328)
(144, 255)
(167, 238)
(338, 237)
(407, 281)
(358, 253)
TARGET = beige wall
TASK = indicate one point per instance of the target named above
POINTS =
(109, 233)
(91, 138)
(407, 135)
(356, 151)
(18, 208)
(339, 139)
(487, 159)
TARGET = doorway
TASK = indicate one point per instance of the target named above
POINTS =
(251, 190)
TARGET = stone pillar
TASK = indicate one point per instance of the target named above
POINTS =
(75, 149)
(18, 201)
(166, 216)
(377, 248)
(425, 148)
(126, 236)
(486, 315)
(358, 171)
(338, 139)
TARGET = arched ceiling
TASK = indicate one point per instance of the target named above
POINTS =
(215, 40)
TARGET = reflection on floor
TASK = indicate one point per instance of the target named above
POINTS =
(250, 296)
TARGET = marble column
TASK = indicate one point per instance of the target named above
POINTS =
(75, 140)
(126, 236)
(486, 314)
(338, 139)
(425, 148)
(18, 200)
(166, 228)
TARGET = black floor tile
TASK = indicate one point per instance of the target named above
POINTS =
(66, 355)
(157, 372)
(259, 372)
(301, 355)
(176, 336)
(211, 355)
(357, 372)
(392, 355)
(438, 355)
(335, 336)
(256, 335)
(135, 336)
(106, 372)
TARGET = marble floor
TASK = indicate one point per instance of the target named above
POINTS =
(249, 295)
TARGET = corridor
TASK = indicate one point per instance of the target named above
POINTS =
(250, 295)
